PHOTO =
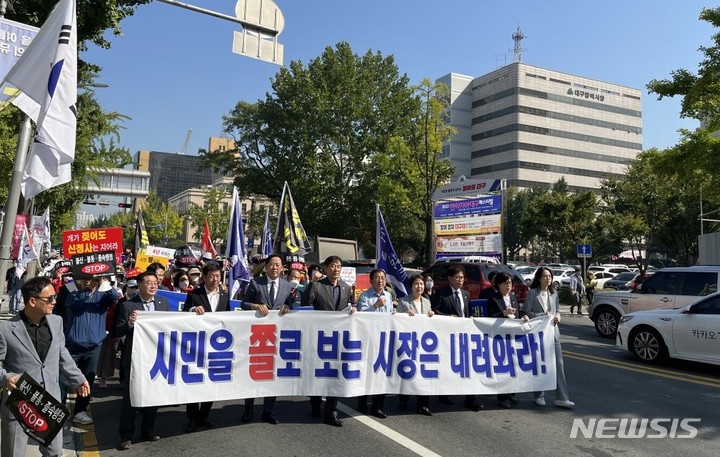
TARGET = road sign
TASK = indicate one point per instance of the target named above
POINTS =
(584, 250)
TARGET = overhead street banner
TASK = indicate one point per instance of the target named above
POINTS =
(468, 206)
(467, 188)
(468, 225)
(185, 358)
(468, 244)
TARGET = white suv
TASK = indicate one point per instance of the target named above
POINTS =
(667, 288)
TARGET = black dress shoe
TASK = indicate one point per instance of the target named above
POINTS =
(316, 413)
(247, 415)
(150, 437)
(379, 413)
(473, 406)
(190, 426)
(445, 400)
(334, 421)
(363, 408)
(269, 418)
(425, 411)
(125, 445)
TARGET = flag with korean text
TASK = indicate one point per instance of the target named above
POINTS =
(387, 258)
(46, 75)
(290, 236)
(206, 244)
(239, 274)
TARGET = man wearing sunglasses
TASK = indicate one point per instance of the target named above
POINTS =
(33, 342)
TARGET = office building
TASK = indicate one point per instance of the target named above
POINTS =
(533, 126)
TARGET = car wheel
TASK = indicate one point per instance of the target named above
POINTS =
(556, 285)
(606, 323)
(647, 345)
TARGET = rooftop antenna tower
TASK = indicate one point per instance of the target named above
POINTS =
(517, 38)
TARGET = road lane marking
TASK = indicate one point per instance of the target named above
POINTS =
(387, 432)
(695, 379)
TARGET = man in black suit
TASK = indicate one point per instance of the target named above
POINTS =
(453, 300)
(207, 297)
(328, 294)
(145, 300)
(263, 294)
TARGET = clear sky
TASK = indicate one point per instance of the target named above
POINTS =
(174, 70)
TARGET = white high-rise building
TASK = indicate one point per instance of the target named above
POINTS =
(533, 126)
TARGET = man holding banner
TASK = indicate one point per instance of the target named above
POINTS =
(33, 342)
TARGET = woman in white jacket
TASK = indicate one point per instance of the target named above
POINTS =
(542, 298)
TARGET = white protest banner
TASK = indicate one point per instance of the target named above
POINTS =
(348, 275)
(158, 251)
(186, 358)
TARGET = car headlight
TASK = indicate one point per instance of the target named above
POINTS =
(625, 319)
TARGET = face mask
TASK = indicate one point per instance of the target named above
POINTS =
(429, 285)
(294, 283)
(183, 284)
(194, 279)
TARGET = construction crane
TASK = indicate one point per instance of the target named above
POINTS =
(187, 142)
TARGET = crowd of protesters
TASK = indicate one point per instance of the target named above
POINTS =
(98, 315)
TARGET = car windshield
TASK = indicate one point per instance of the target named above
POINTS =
(526, 270)
(625, 276)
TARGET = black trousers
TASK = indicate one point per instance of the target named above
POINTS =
(198, 412)
(128, 413)
(330, 404)
(268, 404)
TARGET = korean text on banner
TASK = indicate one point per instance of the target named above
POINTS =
(181, 358)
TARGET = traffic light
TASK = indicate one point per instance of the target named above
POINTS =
(124, 205)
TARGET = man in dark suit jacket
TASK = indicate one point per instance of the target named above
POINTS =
(144, 300)
(328, 294)
(207, 297)
(453, 300)
(43, 357)
(263, 294)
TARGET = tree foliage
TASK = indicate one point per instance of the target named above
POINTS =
(217, 215)
(410, 169)
(319, 130)
(161, 221)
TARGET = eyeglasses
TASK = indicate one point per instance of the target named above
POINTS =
(48, 299)
(151, 284)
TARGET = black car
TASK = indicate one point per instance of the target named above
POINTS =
(622, 281)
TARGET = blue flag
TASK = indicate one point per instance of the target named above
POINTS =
(236, 253)
(387, 259)
(266, 245)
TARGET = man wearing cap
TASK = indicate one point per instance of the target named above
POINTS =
(194, 274)
(145, 300)
(85, 321)
(205, 298)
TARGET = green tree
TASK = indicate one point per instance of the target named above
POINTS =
(119, 219)
(411, 168)
(318, 130)
(161, 221)
(97, 130)
(217, 215)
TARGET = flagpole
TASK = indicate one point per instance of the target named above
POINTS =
(11, 207)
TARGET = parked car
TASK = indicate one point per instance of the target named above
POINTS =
(527, 273)
(561, 276)
(623, 281)
(602, 277)
(617, 269)
(476, 277)
(667, 288)
(688, 333)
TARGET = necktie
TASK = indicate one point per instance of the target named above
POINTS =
(148, 305)
(459, 303)
(272, 291)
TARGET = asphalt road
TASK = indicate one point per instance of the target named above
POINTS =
(605, 383)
